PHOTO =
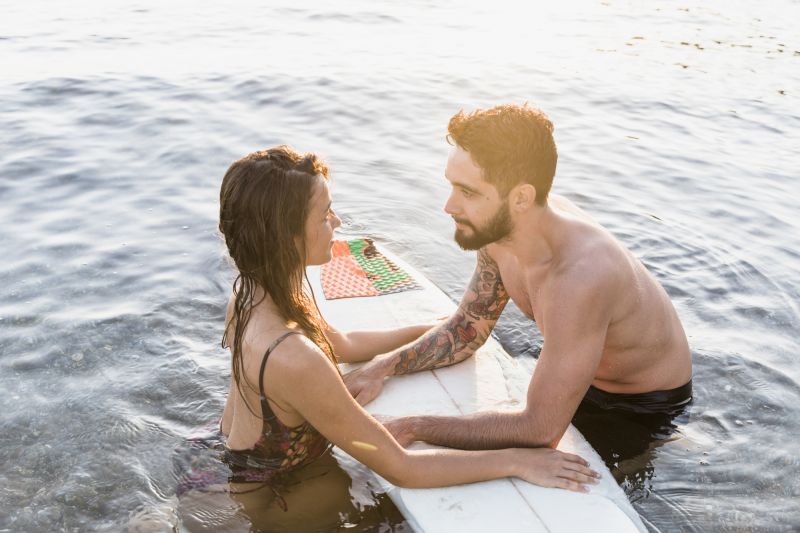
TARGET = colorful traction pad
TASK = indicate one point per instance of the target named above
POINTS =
(357, 268)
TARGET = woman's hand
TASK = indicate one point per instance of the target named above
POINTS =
(552, 468)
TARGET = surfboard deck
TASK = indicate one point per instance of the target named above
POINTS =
(490, 380)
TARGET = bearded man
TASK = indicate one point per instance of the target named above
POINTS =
(615, 355)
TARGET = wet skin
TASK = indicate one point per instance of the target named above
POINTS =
(605, 320)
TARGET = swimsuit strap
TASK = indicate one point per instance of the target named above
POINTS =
(266, 412)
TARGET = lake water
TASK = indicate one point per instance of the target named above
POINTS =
(677, 123)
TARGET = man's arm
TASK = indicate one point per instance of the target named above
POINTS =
(451, 342)
(577, 323)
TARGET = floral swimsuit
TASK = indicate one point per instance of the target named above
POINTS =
(204, 459)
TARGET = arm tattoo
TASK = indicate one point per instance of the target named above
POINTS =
(484, 300)
(488, 293)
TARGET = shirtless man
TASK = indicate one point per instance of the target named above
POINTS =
(613, 343)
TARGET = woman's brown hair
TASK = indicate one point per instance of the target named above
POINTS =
(264, 202)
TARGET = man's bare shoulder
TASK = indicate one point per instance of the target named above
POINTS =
(596, 274)
(593, 263)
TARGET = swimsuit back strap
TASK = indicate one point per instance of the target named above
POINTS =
(265, 410)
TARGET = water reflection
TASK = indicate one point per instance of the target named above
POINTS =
(676, 127)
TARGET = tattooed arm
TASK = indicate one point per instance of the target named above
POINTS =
(451, 342)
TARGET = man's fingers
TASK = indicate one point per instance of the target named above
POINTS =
(350, 380)
(367, 394)
(353, 389)
(362, 398)
(398, 430)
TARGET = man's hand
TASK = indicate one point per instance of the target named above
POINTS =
(365, 383)
(401, 429)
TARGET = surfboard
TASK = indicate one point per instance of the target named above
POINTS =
(490, 380)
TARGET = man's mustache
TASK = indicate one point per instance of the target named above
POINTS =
(463, 222)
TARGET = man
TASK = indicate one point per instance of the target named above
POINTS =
(613, 343)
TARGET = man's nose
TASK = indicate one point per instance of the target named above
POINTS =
(450, 206)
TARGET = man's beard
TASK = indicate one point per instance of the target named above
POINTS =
(497, 228)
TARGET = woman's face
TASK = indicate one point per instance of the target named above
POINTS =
(320, 224)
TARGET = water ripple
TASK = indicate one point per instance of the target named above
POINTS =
(119, 122)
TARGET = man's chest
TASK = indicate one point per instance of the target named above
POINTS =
(522, 288)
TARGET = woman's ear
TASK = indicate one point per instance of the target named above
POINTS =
(522, 197)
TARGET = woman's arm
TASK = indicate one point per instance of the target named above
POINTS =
(301, 377)
(356, 346)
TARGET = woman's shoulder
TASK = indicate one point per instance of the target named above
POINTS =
(286, 363)
(295, 352)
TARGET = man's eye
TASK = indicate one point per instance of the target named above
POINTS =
(466, 193)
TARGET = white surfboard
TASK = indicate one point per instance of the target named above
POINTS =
(490, 380)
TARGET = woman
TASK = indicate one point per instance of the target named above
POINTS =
(287, 402)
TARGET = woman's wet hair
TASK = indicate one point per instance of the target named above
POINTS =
(264, 201)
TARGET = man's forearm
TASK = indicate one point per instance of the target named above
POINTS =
(454, 341)
(465, 331)
(479, 431)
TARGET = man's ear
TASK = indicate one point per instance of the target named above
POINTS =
(522, 197)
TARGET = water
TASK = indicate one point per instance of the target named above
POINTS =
(677, 125)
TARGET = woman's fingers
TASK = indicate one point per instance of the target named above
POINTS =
(580, 468)
(571, 457)
(554, 468)
(567, 484)
(576, 463)
(574, 474)
(579, 477)
(578, 471)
